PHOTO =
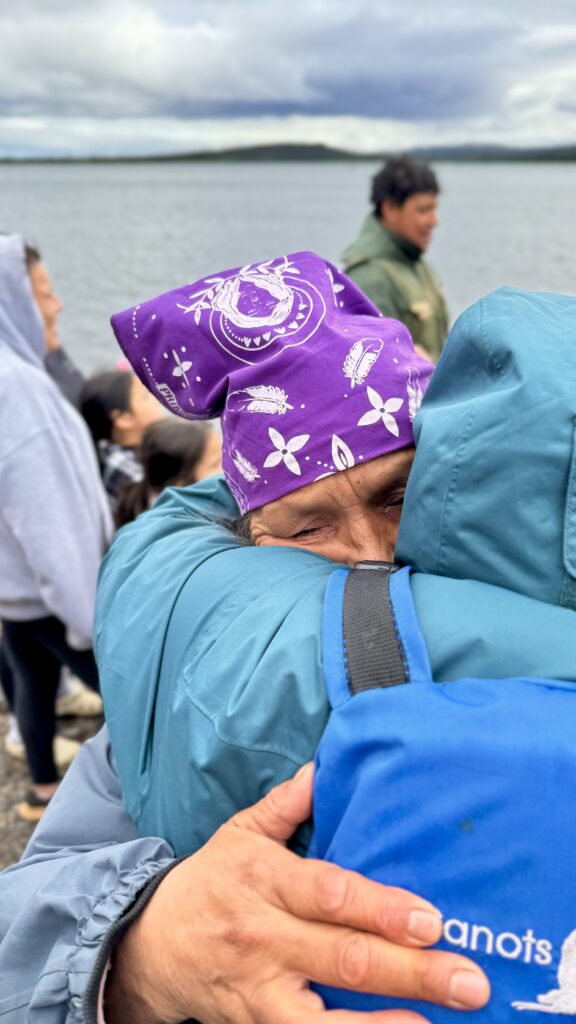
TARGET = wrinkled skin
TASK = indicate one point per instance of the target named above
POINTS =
(348, 517)
(234, 932)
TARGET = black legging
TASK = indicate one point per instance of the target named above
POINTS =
(32, 655)
(6, 675)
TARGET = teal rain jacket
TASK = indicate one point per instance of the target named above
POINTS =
(210, 651)
(210, 660)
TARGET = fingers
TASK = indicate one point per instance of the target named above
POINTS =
(320, 922)
(354, 960)
(293, 1003)
(319, 891)
(281, 811)
(376, 1017)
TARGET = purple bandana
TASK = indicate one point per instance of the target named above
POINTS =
(308, 377)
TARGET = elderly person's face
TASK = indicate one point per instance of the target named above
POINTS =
(348, 517)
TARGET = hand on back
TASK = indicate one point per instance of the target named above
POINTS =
(234, 933)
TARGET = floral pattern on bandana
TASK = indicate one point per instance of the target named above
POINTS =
(309, 379)
(265, 306)
(381, 410)
(285, 451)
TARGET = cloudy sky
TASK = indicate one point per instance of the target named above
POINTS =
(152, 76)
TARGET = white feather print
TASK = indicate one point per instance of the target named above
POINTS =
(261, 398)
(361, 359)
(414, 392)
(245, 467)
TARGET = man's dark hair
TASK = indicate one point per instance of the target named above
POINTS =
(400, 178)
(31, 255)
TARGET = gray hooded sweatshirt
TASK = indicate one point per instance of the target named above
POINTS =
(54, 519)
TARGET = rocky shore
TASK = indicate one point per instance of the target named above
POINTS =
(14, 782)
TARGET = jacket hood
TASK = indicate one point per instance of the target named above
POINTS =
(21, 327)
(492, 494)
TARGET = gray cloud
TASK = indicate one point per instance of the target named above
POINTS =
(409, 63)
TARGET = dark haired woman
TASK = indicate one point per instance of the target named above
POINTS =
(118, 409)
(173, 453)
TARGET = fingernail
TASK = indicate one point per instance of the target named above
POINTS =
(425, 925)
(468, 988)
(304, 770)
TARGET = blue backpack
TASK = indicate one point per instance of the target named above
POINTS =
(463, 792)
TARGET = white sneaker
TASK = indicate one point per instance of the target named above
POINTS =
(78, 700)
(64, 750)
(14, 746)
(13, 731)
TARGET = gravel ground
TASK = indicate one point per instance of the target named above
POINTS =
(14, 782)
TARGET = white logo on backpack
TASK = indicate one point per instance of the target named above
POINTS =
(563, 998)
(480, 938)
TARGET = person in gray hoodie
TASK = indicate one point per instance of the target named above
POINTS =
(54, 519)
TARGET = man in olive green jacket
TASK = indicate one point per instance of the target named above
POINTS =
(386, 261)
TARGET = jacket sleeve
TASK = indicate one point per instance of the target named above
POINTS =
(80, 875)
(66, 374)
(375, 283)
(60, 535)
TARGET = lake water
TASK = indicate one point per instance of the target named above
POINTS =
(113, 235)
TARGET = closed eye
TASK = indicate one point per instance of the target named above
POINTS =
(313, 530)
(390, 502)
(308, 532)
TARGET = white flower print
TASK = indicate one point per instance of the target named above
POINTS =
(381, 410)
(342, 457)
(284, 450)
(181, 368)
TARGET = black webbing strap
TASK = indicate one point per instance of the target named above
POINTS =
(374, 653)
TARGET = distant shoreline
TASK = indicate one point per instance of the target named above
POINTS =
(286, 153)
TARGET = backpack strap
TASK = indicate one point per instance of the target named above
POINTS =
(375, 655)
(371, 636)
